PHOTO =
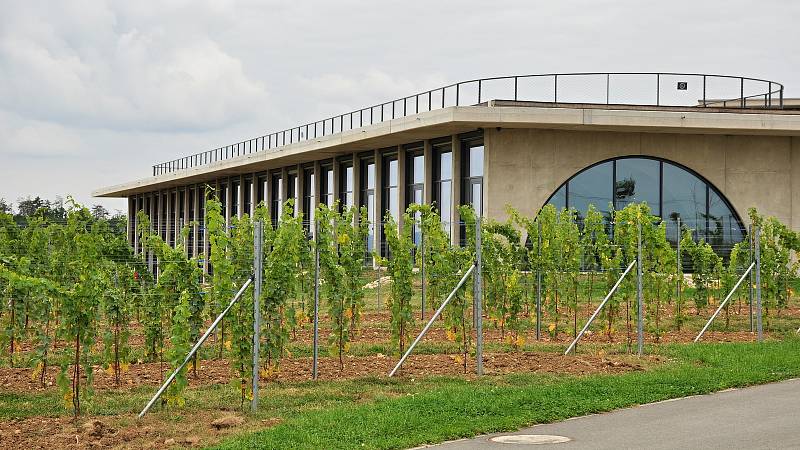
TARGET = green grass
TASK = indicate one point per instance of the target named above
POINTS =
(449, 408)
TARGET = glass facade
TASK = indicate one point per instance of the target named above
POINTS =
(326, 185)
(673, 193)
(368, 199)
(415, 180)
(347, 185)
(390, 195)
(276, 204)
(443, 183)
(309, 199)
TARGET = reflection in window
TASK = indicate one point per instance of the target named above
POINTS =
(346, 185)
(326, 186)
(368, 199)
(442, 184)
(674, 193)
(391, 195)
(416, 180)
(472, 184)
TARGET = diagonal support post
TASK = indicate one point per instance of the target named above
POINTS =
(196, 347)
(432, 319)
(599, 308)
(724, 302)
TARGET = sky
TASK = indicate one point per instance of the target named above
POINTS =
(93, 93)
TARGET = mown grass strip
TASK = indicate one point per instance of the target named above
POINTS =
(458, 408)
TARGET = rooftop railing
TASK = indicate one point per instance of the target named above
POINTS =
(623, 88)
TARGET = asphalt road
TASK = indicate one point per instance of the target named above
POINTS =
(761, 417)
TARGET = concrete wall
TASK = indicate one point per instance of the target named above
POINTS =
(525, 166)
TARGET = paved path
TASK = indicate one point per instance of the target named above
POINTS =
(758, 417)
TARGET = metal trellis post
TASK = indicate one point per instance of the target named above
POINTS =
(750, 284)
(679, 267)
(478, 299)
(757, 244)
(258, 255)
(422, 249)
(639, 300)
(539, 282)
(316, 302)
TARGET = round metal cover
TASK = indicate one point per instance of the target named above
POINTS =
(530, 439)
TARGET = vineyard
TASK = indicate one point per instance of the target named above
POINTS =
(82, 315)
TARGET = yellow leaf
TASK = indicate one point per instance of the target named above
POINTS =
(520, 341)
(346, 347)
(348, 313)
(459, 359)
(228, 345)
(451, 335)
(110, 370)
(509, 339)
(123, 367)
(552, 327)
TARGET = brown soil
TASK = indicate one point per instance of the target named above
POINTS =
(189, 429)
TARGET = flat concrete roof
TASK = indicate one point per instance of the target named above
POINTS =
(495, 113)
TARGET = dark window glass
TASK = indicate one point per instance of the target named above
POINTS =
(637, 181)
(291, 189)
(276, 206)
(443, 185)
(346, 185)
(684, 198)
(309, 199)
(248, 196)
(672, 192)
(391, 195)
(368, 200)
(236, 188)
(591, 187)
(326, 186)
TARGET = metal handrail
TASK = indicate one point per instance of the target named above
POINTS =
(195, 348)
(397, 108)
(724, 302)
(432, 319)
(599, 308)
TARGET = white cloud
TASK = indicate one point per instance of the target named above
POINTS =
(81, 67)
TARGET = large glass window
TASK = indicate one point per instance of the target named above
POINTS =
(326, 185)
(443, 184)
(415, 179)
(472, 179)
(347, 184)
(391, 195)
(235, 192)
(248, 196)
(309, 199)
(368, 199)
(291, 190)
(261, 194)
(276, 203)
(673, 192)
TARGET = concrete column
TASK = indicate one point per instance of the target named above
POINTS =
(401, 183)
(456, 194)
(427, 188)
(253, 194)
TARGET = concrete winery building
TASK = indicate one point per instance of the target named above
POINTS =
(700, 148)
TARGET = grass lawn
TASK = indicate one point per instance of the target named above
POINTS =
(397, 414)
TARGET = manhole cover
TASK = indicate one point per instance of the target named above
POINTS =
(530, 439)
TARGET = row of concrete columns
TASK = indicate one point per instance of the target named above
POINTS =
(170, 209)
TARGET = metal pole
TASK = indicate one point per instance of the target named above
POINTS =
(721, 305)
(750, 285)
(315, 362)
(639, 302)
(432, 319)
(258, 255)
(478, 299)
(539, 283)
(757, 244)
(679, 268)
(196, 347)
(599, 308)
(422, 249)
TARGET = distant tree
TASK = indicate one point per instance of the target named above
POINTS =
(99, 212)
(28, 207)
(5, 207)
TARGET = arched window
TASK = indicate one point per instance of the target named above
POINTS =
(671, 190)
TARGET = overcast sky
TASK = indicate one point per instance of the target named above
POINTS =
(93, 93)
